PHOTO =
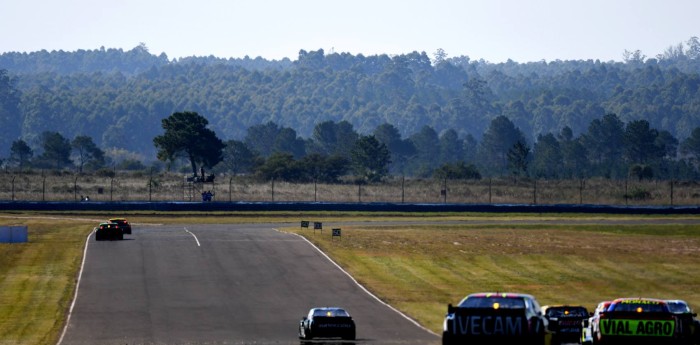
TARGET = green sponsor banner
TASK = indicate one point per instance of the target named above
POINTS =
(637, 328)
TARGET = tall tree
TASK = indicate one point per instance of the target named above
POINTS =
(451, 148)
(287, 141)
(10, 114)
(401, 149)
(519, 158)
(330, 138)
(57, 150)
(499, 139)
(187, 133)
(547, 157)
(370, 159)
(573, 155)
(640, 143)
(86, 152)
(237, 158)
(20, 153)
(691, 146)
(427, 144)
(604, 142)
(261, 138)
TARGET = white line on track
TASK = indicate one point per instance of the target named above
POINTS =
(195, 237)
(77, 287)
(358, 284)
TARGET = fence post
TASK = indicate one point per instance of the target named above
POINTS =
(111, 188)
(359, 192)
(403, 192)
(489, 190)
(230, 180)
(13, 188)
(315, 190)
(150, 184)
(671, 192)
(273, 189)
(444, 191)
(534, 192)
(43, 186)
(75, 188)
(580, 192)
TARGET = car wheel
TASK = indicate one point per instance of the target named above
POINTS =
(120, 237)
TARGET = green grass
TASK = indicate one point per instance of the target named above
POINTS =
(37, 280)
(421, 269)
(418, 269)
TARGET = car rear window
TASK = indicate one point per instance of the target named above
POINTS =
(573, 312)
(677, 307)
(638, 307)
(331, 312)
(493, 302)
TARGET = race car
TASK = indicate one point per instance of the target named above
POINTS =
(591, 324)
(637, 321)
(565, 322)
(688, 325)
(123, 224)
(490, 317)
(327, 322)
(108, 231)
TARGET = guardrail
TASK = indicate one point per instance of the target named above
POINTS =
(344, 207)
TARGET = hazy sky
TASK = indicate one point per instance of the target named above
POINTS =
(522, 30)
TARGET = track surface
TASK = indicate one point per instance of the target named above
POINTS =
(218, 284)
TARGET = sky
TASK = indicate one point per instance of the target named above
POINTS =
(492, 30)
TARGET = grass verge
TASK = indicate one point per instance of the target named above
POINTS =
(420, 269)
(37, 279)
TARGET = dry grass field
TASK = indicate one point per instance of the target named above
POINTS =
(416, 268)
(420, 269)
(140, 186)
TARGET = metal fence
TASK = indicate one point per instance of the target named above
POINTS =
(62, 186)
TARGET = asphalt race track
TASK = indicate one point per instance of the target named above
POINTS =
(218, 284)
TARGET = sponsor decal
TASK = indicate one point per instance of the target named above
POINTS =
(637, 328)
(487, 325)
(334, 325)
(639, 301)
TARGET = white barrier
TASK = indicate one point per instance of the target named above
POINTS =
(13, 234)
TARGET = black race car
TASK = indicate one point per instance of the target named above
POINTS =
(108, 231)
(565, 322)
(688, 325)
(495, 318)
(123, 224)
(329, 322)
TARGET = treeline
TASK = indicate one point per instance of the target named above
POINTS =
(118, 99)
(335, 152)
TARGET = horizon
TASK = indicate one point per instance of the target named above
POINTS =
(496, 31)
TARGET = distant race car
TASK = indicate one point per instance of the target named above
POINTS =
(590, 325)
(688, 325)
(565, 322)
(637, 321)
(329, 322)
(108, 231)
(123, 224)
(495, 318)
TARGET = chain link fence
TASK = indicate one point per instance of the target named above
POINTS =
(140, 186)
